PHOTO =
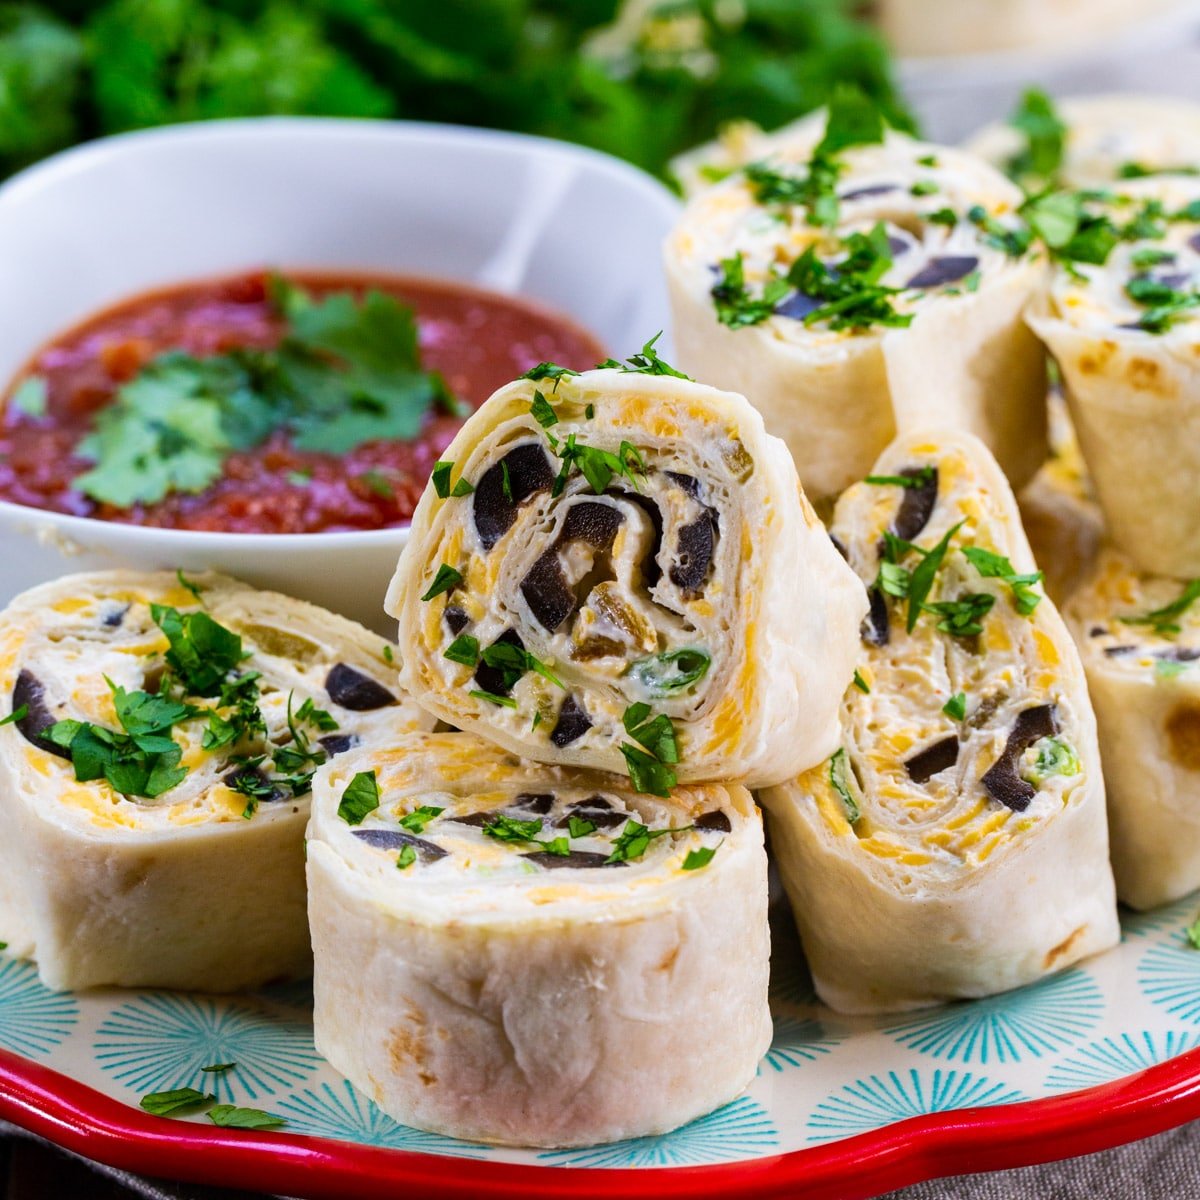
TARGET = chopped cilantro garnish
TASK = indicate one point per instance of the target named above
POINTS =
(514, 661)
(650, 768)
(1054, 217)
(996, 566)
(695, 859)
(923, 575)
(416, 820)
(542, 411)
(579, 827)
(218, 1068)
(646, 773)
(671, 671)
(944, 216)
(30, 397)
(647, 362)
(924, 187)
(597, 466)
(927, 160)
(389, 655)
(956, 707)
(1164, 304)
(635, 838)
(202, 652)
(1054, 757)
(360, 799)
(1150, 257)
(548, 370)
(513, 829)
(492, 698)
(175, 1102)
(1192, 933)
(1013, 241)
(406, 857)
(506, 480)
(860, 683)
(853, 120)
(1163, 620)
(189, 586)
(1045, 137)
(963, 617)
(441, 482)
(837, 780)
(445, 579)
(229, 1116)
(918, 479)
(464, 649)
(378, 483)
(346, 372)
(18, 714)
(735, 306)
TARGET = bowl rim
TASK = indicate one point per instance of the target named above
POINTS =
(83, 157)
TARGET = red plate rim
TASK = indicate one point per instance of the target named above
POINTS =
(94, 1125)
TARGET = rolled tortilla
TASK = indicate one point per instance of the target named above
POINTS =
(197, 880)
(955, 845)
(1059, 510)
(570, 600)
(958, 27)
(837, 396)
(1131, 372)
(1144, 675)
(520, 954)
(1107, 138)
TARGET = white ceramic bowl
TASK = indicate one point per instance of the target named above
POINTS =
(574, 229)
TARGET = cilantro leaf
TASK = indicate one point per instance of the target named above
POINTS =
(175, 1102)
(695, 859)
(854, 120)
(229, 1116)
(406, 857)
(923, 575)
(416, 820)
(360, 799)
(1163, 620)
(464, 649)
(445, 580)
(647, 362)
(956, 707)
(995, 566)
(735, 306)
(635, 838)
(1045, 136)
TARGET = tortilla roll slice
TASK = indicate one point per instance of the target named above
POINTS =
(1140, 640)
(1124, 336)
(854, 295)
(620, 571)
(1105, 138)
(955, 845)
(737, 143)
(519, 954)
(153, 782)
(1059, 511)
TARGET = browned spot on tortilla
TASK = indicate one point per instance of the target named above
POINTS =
(669, 959)
(1183, 735)
(1090, 364)
(407, 1043)
(1143, 373)
(1063, 948)
(426, 1078)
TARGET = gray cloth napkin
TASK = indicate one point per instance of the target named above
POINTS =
(1166, 1167)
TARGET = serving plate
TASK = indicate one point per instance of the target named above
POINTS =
(847, 1107)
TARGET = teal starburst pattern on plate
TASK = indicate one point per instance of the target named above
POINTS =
(33, 1019)
(162, 1040)
(882, 1100)
(1167, 919)
(1112, 1057)
(339, 1111)
(740, 1130)
(1030, 1022)
(796, 1042)
(1169, 976)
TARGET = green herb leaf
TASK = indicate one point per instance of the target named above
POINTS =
(548, 370)
(405, 858)
(956, 707)
(1192, 933)
(416, 820)
(837, 780)
(1045, 137)
(923, 575)
(671, 671)
(18, 714)
(445, 579)
(1163, 620)
(963, 617)
(464, 649)
(735, 306)
(175, 1102)
(695, 859)
(995, 566)
(218, 1068)
(635, 838)
(579, 827)
(854, 120)
(360, 799)
(30, 397)
(229, 1116)
(646, 773)
(202, 652)
(542, 411)
(513, 829)
(647, 362)
(920, 478)
(492, 698)
(861, 683)
(1054, 757)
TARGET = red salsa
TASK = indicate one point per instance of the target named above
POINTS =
(476, 340)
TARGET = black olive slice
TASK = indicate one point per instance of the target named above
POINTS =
(596, 524)
(1118, 651)
(1194, 242)
(1001, 778)
(353, 690)
(875, 629)
(898, 246)
(29, 692)
(714, 820)
(689, 483)
(1180, 654)
(499, 681)
(396, 839)
(797, 306)
(253, 775)
(949, 268)
(477, 819)
(925, 764)
(1097, 631)
(456, 619)
(693, 555)
(871, 189)
(338, 743)
(576, 858)
(573, 722)
(595, 809)
(113, 618)
(918, 502)
(546, 591)
(494, 511)
(539, 803)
